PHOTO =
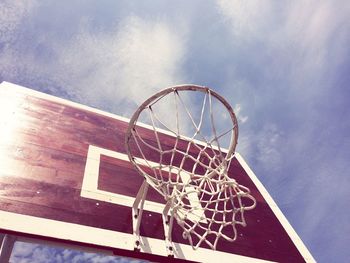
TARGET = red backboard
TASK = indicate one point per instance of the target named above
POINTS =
(64, 174)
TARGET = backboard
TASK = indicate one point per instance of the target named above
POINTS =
(64, 168)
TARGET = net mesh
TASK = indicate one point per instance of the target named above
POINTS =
(192, 174)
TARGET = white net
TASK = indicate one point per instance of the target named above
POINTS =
(189, 166)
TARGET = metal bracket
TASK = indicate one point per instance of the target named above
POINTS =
(168, 226)
(137, 210)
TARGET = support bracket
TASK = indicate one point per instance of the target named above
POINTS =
(168, 226)
(137, 210)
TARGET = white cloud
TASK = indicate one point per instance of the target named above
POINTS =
(11, 15)
(138, 59)
(238, 112)
(264, 146)
(295, 39)
(28, 252)
(314, 34)
(269, 150)
(246, 19)
(105, 69)
(295, 56)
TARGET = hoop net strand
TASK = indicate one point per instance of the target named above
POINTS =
(206, 203)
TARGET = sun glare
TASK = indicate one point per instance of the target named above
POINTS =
(9, 122)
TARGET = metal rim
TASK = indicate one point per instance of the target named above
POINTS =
(186, 87)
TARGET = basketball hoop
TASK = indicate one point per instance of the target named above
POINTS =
(206, 203)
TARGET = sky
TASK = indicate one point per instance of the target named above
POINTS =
(284, 66)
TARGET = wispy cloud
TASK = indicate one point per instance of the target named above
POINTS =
(248, 20)
(104, 69)
(11, 15)
(296, 53)
(27, 252)
(129, 64)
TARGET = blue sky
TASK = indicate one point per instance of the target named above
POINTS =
(284, 66)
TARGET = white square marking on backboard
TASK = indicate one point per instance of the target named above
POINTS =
(90, 189)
